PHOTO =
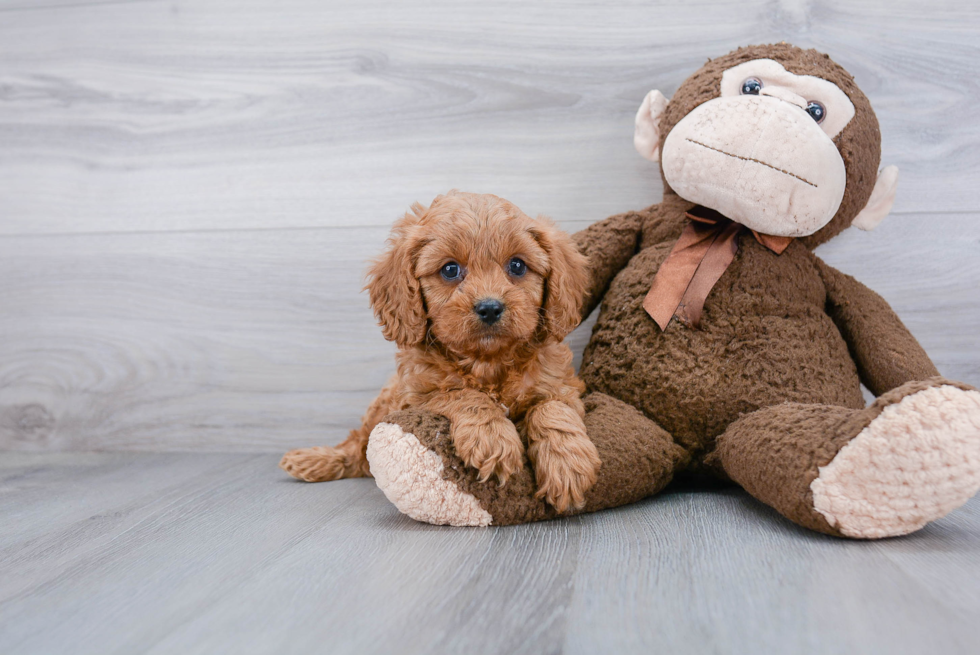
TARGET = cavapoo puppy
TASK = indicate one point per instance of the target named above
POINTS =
(478, 296)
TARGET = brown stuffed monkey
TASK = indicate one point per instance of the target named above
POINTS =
(724, 346)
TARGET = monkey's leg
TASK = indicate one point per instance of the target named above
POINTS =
(909, 458)
(415, 464)
(347, 459)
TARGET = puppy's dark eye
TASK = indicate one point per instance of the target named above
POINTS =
(751, 86)
(517, 267)
(450, 271)
(817, 111)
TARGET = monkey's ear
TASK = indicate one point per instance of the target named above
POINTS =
(881, 200)
(646, 138)
(396, 295)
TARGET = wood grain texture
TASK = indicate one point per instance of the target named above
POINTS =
(189, 192)
(191, 553)
(162, 116)
(259, 340)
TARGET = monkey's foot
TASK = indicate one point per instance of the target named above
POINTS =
(416, 466)
(411, 476)
(918, 460)
(415, 463)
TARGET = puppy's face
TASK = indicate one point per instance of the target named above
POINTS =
(486, 276)
(482, 275)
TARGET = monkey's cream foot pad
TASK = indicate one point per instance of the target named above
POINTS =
(410, 475)
(914, 463)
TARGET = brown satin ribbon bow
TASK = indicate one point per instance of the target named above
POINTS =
(702, 253)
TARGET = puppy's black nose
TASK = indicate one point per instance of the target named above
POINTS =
(489, 310)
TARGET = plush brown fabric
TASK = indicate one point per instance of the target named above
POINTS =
(611, 243)
(698, 258)
(638, 460)
(886, 354)
(776, 452)
(638, 456)
(768, 388)
(512, 503)
(775, 329)
(764, 339)
(859, 143)
(766, 335)
(608, 245)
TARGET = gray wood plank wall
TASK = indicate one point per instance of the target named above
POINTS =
(189, 191)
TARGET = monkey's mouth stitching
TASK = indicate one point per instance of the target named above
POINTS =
(698, 143)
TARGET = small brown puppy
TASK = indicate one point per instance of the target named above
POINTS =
(478, 296)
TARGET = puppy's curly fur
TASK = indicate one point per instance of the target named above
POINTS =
(504, 382)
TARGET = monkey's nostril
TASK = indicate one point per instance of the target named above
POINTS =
(489, 310)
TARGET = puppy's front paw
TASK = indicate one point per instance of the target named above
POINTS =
(318, 464)
(493, 448)
(565, 466)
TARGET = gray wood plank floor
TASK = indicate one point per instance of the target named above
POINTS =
(216, 553)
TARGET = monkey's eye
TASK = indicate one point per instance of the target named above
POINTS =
(450, 271)
(517, 267)
(751, 86)
(816, 111)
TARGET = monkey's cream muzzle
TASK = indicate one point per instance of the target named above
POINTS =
(759, 160)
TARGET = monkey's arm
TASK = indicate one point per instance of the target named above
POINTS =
(609, 245)
(886, 353)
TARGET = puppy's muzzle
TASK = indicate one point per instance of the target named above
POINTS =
(489, 310)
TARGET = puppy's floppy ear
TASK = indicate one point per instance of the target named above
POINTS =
(565, 287)
(396, 295)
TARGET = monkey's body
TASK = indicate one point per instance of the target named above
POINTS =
(764, 340)
(745, 363)
(765, 390)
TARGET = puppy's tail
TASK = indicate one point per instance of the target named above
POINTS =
(322, 464)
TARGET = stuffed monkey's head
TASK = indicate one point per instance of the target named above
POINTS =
(777, 138)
